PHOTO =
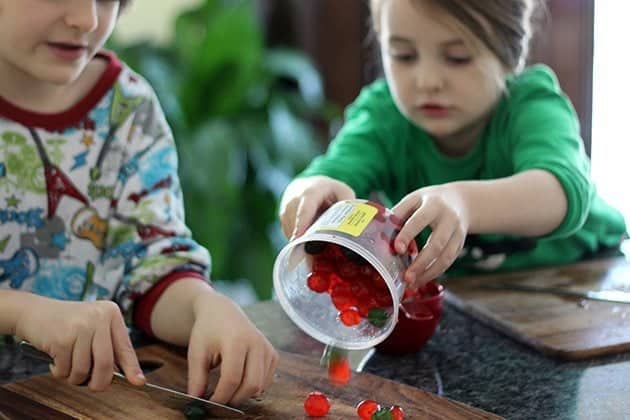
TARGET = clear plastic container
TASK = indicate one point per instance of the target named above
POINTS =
(365, 228)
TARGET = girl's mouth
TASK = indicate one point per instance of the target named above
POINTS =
(434, 110)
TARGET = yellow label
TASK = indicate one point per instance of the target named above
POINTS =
(351, 219)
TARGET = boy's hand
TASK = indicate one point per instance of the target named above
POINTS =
(306, 198)
(85, 339)
(443, 210)
(223, 335)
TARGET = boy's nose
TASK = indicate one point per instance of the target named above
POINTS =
(83, 15)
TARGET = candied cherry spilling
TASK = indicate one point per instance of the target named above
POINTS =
(356, 289)
(316, 404)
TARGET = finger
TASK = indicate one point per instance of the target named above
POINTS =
(198, 369)
(232, 365)
(62, 364)
(304, 216)
(272, 364)
(424, 216)
(447, 259)
(287, 218)
(432, 251)
(253, 378)
(124, 354)
(103, 359)
(81, 358)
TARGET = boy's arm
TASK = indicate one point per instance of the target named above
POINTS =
(12, 303)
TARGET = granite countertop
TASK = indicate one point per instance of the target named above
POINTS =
(464, 361)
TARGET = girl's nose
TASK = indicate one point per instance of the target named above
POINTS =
(83, 15)
(429, 77)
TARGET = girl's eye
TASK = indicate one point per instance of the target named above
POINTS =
(458, 61)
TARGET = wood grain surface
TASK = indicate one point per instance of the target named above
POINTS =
(567, 327)
(44, 397)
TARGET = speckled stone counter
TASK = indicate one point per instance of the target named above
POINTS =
(480, 367)
(464, 361)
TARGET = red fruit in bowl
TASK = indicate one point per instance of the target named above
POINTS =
(412, 332)
(316, 404)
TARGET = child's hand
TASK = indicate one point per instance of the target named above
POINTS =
(222, 334)
(85, 339)
(306, 198)
(442, 209)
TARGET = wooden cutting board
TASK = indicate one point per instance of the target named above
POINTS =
(44, 397)
(567, 327)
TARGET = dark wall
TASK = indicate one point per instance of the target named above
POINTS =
(335, 33)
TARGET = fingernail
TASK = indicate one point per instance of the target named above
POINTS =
(140, 376)
(400, 247)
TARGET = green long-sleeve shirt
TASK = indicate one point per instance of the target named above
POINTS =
(534, 126)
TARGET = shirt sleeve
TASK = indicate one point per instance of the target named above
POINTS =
(147, 234)
(547, 136)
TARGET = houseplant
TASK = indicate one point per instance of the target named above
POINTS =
(245, 118)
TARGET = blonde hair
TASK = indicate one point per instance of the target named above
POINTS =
(503, 26)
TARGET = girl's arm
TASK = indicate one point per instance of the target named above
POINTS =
(530, 203)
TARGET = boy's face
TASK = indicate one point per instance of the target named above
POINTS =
(438, 79)
(52, 41)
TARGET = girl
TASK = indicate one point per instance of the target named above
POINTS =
(484, 158)
(92, 211)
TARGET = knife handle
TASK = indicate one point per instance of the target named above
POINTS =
(28, 350)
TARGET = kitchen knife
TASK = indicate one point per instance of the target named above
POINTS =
(615, 296)
(165, 396)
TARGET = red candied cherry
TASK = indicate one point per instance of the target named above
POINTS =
(366, 408)
(322, 265)
(339, 371)
(342, 296)
(350, 317)
(316, 404)
(318, 282)
(348, 270)
(397, 412)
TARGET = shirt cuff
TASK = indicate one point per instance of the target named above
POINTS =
(144, 307)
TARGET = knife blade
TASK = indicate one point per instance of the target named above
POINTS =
(165, 396)
(614, 296)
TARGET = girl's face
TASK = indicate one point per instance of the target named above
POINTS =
(52, 41)
(439, 80)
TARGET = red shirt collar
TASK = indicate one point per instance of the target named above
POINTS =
(74, 115)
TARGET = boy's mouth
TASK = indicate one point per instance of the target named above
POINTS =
(67, 51)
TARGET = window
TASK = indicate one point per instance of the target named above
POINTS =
(611, 113)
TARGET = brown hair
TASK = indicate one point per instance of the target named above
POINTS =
(503, 26)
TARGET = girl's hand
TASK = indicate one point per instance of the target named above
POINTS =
(223, 335)
(85, 339)
(444, 211)
(306, 198)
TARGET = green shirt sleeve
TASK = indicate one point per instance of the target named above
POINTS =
(546, 135)
(361, 153)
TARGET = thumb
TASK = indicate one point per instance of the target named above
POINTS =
(303, 217)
